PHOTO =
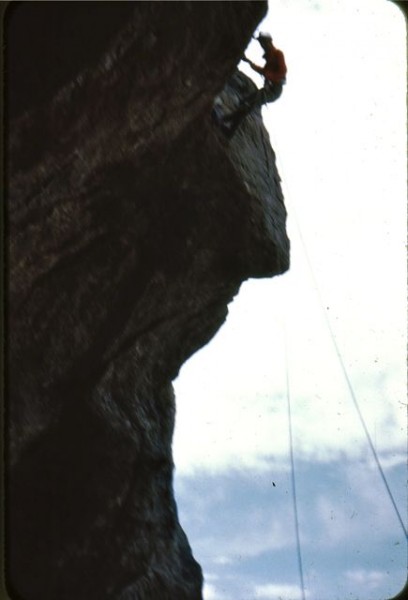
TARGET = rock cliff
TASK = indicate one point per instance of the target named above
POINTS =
(131, 223)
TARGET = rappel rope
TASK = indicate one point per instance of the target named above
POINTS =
(292, 470)
(343, 369)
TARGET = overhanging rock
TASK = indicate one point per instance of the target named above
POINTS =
(131, 223)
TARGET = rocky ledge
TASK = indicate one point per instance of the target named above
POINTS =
(131, 223)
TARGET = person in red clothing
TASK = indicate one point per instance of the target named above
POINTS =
(274, 73)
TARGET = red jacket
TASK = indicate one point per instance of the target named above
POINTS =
(275, 67)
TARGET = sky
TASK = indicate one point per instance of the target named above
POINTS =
(339, 132)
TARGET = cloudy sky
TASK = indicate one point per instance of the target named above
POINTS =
(339, 133)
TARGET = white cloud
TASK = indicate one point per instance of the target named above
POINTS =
(273, 591)
(370, 579)
(372, 583)
(260, 537)
(257, 535)
(231, 400)
(212, 589)
(388, 461)
(223, 560)
(210, 592)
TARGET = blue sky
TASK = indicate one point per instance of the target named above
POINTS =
(339, 132)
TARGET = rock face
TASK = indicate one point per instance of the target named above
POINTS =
(131, 223)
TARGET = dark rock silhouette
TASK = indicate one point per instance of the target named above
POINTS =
(131, 223)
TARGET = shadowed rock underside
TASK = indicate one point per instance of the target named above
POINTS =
(131, 223)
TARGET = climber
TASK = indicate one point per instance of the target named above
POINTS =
(274, 73)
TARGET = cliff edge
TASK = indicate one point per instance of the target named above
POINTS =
(131, 222)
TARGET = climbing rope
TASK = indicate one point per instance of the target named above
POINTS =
(341, 363)
(292, 471)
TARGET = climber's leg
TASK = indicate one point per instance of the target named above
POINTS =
(271, 92)
(230, 123)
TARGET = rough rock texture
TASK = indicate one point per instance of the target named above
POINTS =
(131, 224)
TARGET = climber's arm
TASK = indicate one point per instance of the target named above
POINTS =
(256, 68)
